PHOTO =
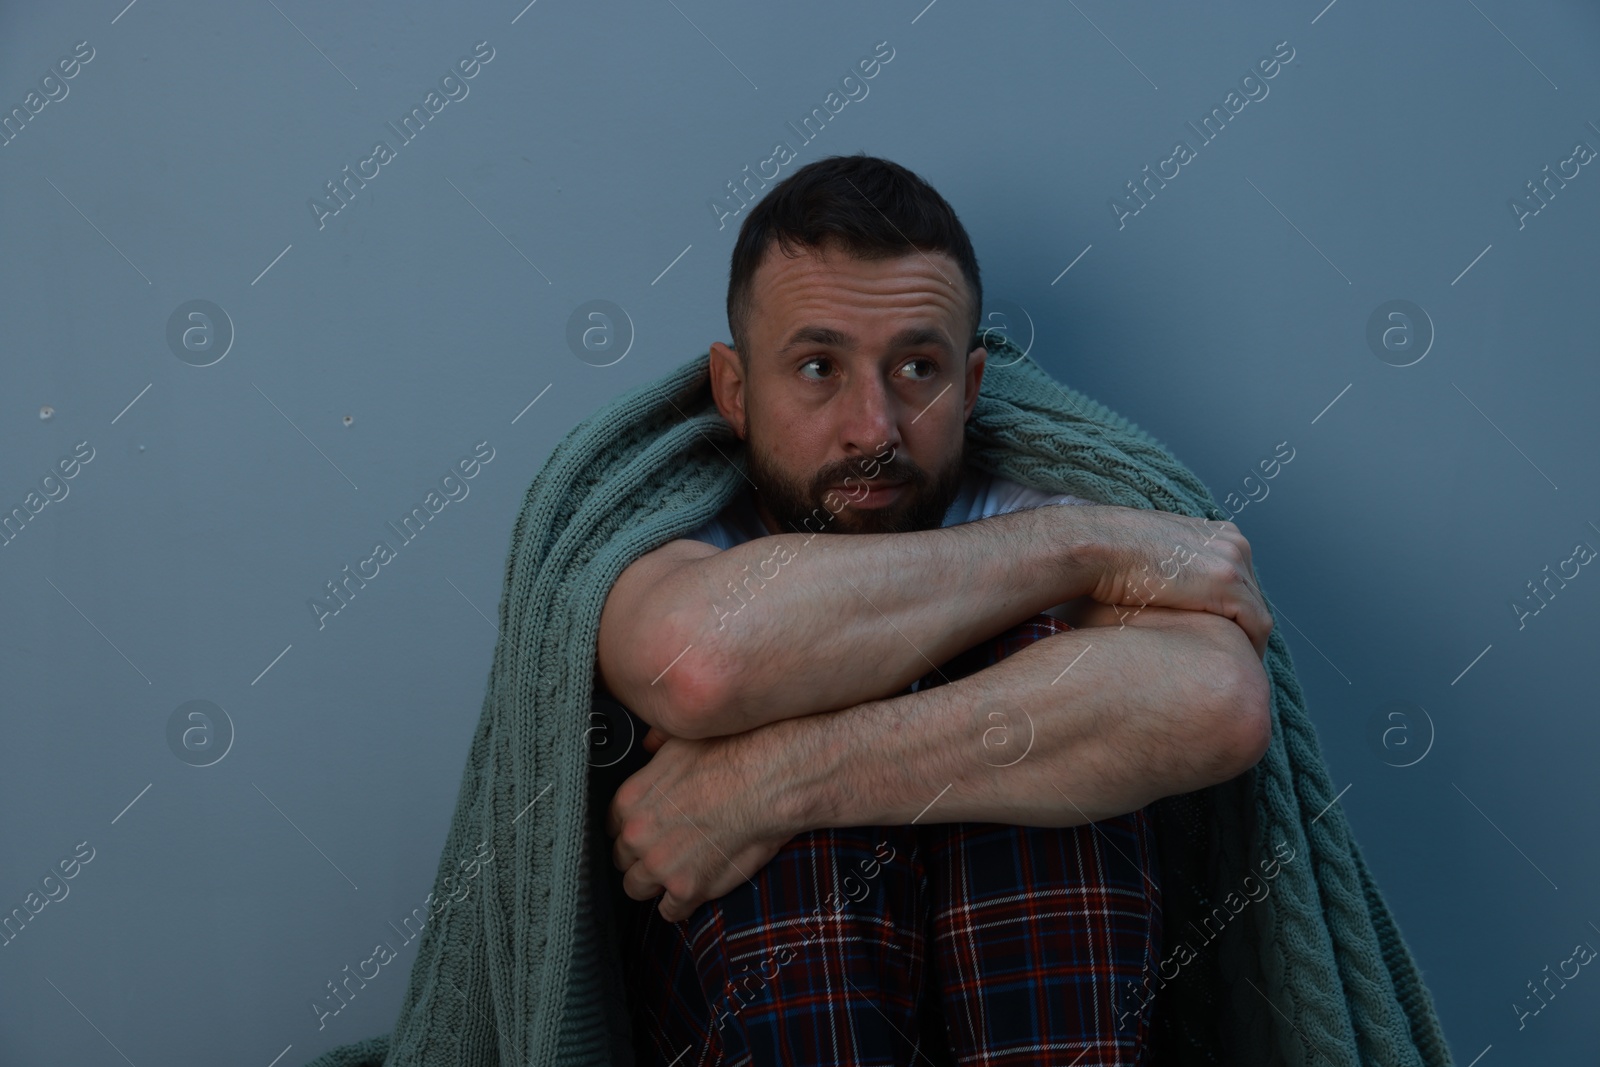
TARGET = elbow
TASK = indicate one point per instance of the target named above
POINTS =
(692, 691)
(1244, 722)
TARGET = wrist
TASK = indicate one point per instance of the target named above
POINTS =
(1079, 549)
(805, 772)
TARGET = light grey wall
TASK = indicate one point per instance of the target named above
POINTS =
(1228, 315)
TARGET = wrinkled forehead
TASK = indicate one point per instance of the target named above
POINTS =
(830, 298)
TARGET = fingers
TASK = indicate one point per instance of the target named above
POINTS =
(638, 883)
(654, 739)
(1264, 620)
(1257, 630)
(1261, 620)
(713, 880)
(1253, 615)
(675, 910)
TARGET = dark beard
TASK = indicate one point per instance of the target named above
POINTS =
(799, 508)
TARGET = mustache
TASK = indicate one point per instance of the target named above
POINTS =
(890, 472)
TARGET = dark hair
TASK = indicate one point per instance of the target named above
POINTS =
(869, 207)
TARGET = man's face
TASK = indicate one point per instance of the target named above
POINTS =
(858, 371)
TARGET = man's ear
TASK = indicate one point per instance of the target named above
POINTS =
(975, 364)
(727, 385)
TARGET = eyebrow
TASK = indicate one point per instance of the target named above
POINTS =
(910, 337)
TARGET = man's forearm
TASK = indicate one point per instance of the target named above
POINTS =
(793, 624)
(1077, 726)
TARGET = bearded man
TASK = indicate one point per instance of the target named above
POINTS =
(904, 716)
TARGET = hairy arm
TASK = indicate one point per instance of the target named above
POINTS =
(1105, 720)
(1075, 727)
(700, 642)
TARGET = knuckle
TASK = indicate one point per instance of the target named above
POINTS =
(1215, 570)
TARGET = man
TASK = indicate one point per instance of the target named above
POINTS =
(805, 736)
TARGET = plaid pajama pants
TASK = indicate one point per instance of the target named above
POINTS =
(953, 943)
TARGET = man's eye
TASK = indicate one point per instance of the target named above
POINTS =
(811, 363)
(925, 368)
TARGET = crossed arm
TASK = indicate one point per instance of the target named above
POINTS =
(1048, 736)
(788, 720)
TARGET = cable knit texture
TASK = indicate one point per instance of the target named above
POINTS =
(527, 971)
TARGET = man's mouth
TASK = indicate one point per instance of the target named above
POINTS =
(875, 483)
(878, 493)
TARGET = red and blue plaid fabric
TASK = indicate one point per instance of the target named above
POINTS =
(941, 943)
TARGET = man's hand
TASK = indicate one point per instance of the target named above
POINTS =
(701, 817)
(1178, 561)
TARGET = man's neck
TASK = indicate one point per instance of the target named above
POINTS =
(765, 516)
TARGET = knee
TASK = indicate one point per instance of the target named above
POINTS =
(857, 866)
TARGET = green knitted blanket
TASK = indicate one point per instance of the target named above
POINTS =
(525, 969)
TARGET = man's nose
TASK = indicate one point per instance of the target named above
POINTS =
(871, 417)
